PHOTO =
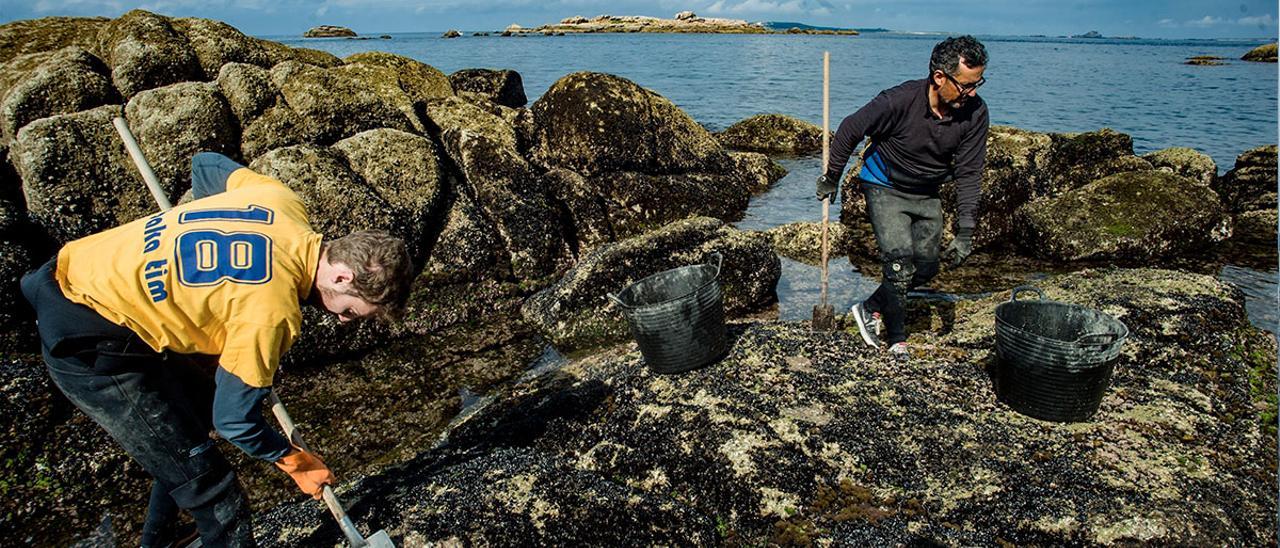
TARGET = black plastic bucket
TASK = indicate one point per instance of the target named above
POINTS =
(1054, 360)
(677, 317)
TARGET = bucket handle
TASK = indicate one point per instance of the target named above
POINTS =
(614, 297)
(1097, 339)
(719, 261)
(1013, 295)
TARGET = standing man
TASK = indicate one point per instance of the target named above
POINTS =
(119, 313)
(922, 134)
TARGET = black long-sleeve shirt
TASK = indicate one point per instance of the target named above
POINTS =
(914, 149)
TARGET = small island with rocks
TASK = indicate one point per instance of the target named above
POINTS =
(329, 31)
(683, 22)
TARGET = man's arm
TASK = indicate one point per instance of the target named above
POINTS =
(209, 173)
(870, 119)
(970, 160)
(237, 415)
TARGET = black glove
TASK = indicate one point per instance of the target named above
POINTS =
(960, 247)
(826, 188)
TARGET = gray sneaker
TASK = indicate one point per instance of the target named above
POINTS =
(900, 351)
(868, 324)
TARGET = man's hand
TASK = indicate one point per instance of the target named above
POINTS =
(307, 470)
(826, 188)
(960, 247)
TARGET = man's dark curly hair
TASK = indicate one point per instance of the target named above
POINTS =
(946, 55)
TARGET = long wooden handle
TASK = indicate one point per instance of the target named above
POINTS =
(826, 152)
(330, 499)
(135, 152)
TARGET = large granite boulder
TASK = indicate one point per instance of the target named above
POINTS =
(68, 80)
(337, 199)
(1251, 184)
(1134, 216)
(574, 314)
(278, 53)
(1077, 159)
(216, 43)
(145, 51)
(1256, 227)
(277, 127)
(174, 122)
(503, 183)
(598, 123)
(504, 87)
(640, 202)
(248, 90)
(814, 439)
(763, 170)
(405, 171)
(1187, 162)
(76, 175)
(802, 241)
(342, 101)
(773, 133)
(49, 34)
(1265, 53)
(419, 81)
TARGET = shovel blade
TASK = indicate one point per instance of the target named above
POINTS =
(379, 539)
(824, 318)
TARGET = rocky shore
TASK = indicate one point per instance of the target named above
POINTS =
(683, 22)
(520, 217)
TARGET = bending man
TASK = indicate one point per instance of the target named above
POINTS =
(121, 311)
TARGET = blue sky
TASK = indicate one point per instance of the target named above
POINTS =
(1145, 18)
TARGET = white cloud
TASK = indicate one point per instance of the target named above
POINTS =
(1167, 23)
(1257, 20)
(1205, 22)
(771, 7)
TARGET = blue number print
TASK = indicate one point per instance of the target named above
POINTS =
(251, 214)
(209, 257)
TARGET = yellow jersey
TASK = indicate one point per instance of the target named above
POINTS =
(222, 275)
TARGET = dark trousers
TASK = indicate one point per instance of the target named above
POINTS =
(908, 229)
(154, 405)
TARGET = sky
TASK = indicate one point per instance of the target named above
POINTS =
(1143, 18)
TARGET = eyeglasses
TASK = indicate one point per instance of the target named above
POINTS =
(964, 89)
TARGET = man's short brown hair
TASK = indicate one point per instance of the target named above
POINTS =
(382, 268)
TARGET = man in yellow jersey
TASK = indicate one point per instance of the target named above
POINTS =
(224, 275)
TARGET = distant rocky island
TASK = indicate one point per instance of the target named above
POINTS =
(329, 31)
(683, 22)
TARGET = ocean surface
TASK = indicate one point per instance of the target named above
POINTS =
(1139, 87)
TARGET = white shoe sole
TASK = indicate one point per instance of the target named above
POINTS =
(864, 329)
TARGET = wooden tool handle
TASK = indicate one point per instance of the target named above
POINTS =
(330, 499)
(826, 152)
(135, 152)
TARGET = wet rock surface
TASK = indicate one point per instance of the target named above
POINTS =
(1251, 184)
(1265, 53)
(774, 133)
(174, 122)
(574, 313)
(596, 123)
(798, 437)
(504, 87)
(1187, 162)
(66, 81)
(145, 51)
(76, 175)
(1133, 216)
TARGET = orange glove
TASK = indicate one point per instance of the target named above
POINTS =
(307, 470)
